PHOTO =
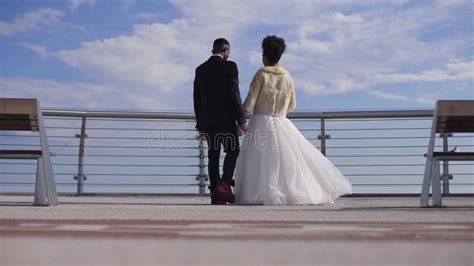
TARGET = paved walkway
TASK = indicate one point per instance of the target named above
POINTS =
(187, 230)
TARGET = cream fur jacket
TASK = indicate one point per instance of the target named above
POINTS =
(272, 92)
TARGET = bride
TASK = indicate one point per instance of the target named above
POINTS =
(277, 164)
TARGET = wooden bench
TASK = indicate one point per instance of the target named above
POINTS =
(26, 115)
(449, 117)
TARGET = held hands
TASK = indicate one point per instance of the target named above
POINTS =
(241, 129)
(202, 135)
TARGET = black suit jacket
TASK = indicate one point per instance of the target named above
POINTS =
(217, 103)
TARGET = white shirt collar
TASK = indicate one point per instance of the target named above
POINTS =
(218, 55)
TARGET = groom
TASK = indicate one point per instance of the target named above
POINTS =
(219, 117)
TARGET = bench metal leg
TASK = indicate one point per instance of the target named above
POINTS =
(436, 184)
(50, 183)
(425, 190)
(41, 197)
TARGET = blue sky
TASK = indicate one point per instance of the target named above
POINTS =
(343, 54)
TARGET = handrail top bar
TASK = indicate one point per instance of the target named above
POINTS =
(293, 115)
(362, 114)
(118, 114)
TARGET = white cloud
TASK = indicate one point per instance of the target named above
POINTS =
(453, 71)
(77, 95)
(331, 48)
(75, 4)
(255, 58)
(342, 52)
(274, 12)
(447, 3)
(386, 95)
(428, 99)
(163, 56)
(41, 51)
(146, 16)
(158, 56)
(43, 17)
(460, 71)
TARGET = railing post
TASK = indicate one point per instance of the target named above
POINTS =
(323, 137)
(446, 175)
(80, 167)
(201, 177)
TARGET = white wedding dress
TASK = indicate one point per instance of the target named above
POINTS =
(277, 165)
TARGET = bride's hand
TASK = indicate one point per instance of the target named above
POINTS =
(241, 129)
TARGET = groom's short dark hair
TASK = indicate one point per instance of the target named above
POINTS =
(219, 44)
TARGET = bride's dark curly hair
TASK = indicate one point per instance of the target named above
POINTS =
(273, 47)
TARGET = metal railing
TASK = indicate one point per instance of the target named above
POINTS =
(158, 152)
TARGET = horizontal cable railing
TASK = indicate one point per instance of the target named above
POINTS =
(158, 152)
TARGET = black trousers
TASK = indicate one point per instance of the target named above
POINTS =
(230, 142)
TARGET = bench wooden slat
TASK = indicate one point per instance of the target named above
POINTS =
(38, 152)
(8, 117)
(18, 106)
(17, 126)
(453, 108)
(457, 124)
(453, 156)
(19, 122)
(20, 154)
